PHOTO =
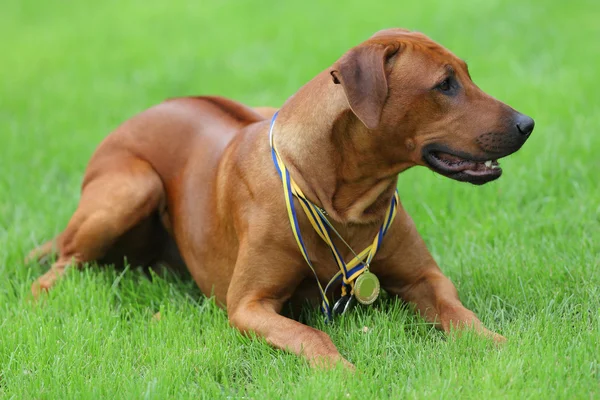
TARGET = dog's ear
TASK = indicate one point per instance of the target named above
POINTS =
(361, 72)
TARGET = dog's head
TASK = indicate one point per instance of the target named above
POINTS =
(418, 99)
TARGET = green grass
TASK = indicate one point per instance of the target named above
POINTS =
(524, 251)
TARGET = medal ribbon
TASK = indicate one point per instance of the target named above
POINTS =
(348, 271)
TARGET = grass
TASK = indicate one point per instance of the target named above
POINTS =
(524, 251)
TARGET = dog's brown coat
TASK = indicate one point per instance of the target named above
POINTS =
(190, 182)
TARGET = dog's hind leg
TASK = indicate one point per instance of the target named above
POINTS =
(113, 201)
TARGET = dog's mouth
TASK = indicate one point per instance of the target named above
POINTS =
(462, 167)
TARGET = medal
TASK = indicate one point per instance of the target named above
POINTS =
(366, 288)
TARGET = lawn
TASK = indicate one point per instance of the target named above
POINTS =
(523, 251)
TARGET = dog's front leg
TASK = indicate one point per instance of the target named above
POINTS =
(436, 299)
(261, 284)
(410, 272)
(260, 316)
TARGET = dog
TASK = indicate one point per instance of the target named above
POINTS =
(191, 183)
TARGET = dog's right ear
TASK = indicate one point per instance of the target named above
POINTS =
(361, 72)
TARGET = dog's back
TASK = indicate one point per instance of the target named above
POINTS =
(162, 141)
(166, 134)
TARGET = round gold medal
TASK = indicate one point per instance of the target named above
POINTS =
(366, 288)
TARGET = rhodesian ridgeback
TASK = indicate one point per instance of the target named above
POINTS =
(192, 183)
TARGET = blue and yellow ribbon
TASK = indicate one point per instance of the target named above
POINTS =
(348, 271)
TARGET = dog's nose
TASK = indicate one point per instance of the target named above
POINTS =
(524, 124)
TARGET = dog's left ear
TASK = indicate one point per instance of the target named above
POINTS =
(361, 72)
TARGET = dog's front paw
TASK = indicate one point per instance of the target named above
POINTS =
(42, 285)
(330, 362)
(497, 338)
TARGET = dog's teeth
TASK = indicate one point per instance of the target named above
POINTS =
(496, 166)
(488, 163)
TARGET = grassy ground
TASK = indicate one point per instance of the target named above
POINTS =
(524, 251)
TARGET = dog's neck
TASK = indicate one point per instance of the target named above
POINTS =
(338, 163)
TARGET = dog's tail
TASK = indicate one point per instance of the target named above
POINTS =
(42, 254)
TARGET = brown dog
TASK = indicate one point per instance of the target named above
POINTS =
(191, 182)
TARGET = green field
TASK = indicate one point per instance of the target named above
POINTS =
(523, 251)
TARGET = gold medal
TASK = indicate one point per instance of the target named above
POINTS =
(366, 288)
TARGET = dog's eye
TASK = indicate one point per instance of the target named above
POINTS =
(445, 86)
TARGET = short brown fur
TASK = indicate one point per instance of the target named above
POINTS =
(190, 182)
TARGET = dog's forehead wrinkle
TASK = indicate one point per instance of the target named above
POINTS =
(449, 69)
(410, 40)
